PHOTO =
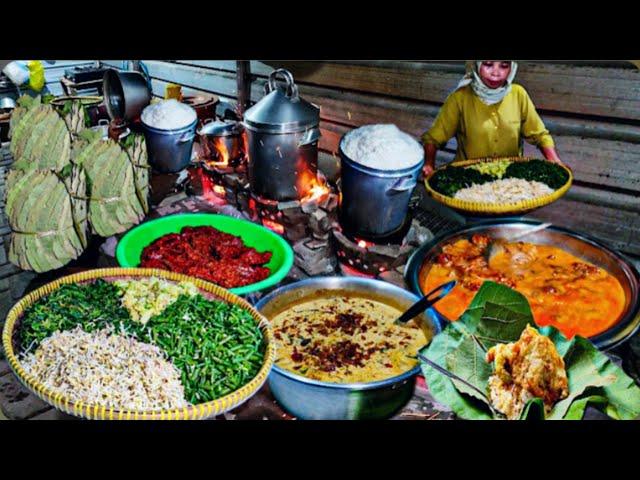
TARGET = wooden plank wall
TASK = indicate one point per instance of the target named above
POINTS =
(591, 108)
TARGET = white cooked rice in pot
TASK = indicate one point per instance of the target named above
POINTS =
(383, 147)
(106, 369)
(507, 190)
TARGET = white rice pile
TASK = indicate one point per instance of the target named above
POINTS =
(383, 146)
(507, 190)
(106, 369)
(168, 115)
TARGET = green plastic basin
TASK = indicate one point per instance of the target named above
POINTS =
(131, 245)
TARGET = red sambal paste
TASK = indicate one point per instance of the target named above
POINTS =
(207, 253)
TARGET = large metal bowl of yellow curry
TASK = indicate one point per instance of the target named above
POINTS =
(339, 354)
(572, 282)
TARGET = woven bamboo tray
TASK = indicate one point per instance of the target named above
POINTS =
(98, 412)
(489, 209)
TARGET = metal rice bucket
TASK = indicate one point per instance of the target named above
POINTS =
(170, 150)
(374, 202)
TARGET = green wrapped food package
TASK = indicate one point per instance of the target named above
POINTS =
(66, 181)
(45, 226)
(114, 206)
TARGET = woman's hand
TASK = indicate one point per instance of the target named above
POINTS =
(427, 170)
(429, 159)
(551, 155)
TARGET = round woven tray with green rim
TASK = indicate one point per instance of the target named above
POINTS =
(100, 412)
(489, 209)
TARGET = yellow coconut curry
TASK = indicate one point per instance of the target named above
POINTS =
(564, 291)
(345, 340)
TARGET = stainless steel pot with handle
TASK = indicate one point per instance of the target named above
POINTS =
(282, 137)
(374, 202)
(170, 150)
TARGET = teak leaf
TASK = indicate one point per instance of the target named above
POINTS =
(499, 314)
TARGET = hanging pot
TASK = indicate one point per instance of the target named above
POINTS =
(126, 94)
(282, 138)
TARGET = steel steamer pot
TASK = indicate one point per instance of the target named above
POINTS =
(282, 140)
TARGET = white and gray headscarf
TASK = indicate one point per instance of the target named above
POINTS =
(488, 95)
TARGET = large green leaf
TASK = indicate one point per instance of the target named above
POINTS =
(499, 314)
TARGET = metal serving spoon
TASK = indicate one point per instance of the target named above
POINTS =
(425, 302)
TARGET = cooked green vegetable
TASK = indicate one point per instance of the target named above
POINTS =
(540, 171)
(92, 306)
(216, 346)
(449, 180)
(499, 314)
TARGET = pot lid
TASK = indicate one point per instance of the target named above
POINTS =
(221, 129)
(282, 110)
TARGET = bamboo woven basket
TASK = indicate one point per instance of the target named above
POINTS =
(98, 412)
(489, 209)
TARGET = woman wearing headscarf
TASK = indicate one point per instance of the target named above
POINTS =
(489, 115)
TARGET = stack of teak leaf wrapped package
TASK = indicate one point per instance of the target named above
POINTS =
(67, 181)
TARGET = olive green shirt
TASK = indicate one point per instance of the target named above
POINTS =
(488, 130)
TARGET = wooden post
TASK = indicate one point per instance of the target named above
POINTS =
(243, 78)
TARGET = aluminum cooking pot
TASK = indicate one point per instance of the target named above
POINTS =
(126, 94)
(222, 141)
(282, 138)
(310, 399)
(374, 202)
(170, 150)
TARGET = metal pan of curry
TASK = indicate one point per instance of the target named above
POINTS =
(572, 281)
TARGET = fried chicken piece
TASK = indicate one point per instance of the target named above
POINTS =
(526, 369)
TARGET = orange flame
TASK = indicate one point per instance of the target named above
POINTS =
(317, 192)
(221, 153)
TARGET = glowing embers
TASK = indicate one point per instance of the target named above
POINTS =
(211, 192)
(273, 226)
(381, 257)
